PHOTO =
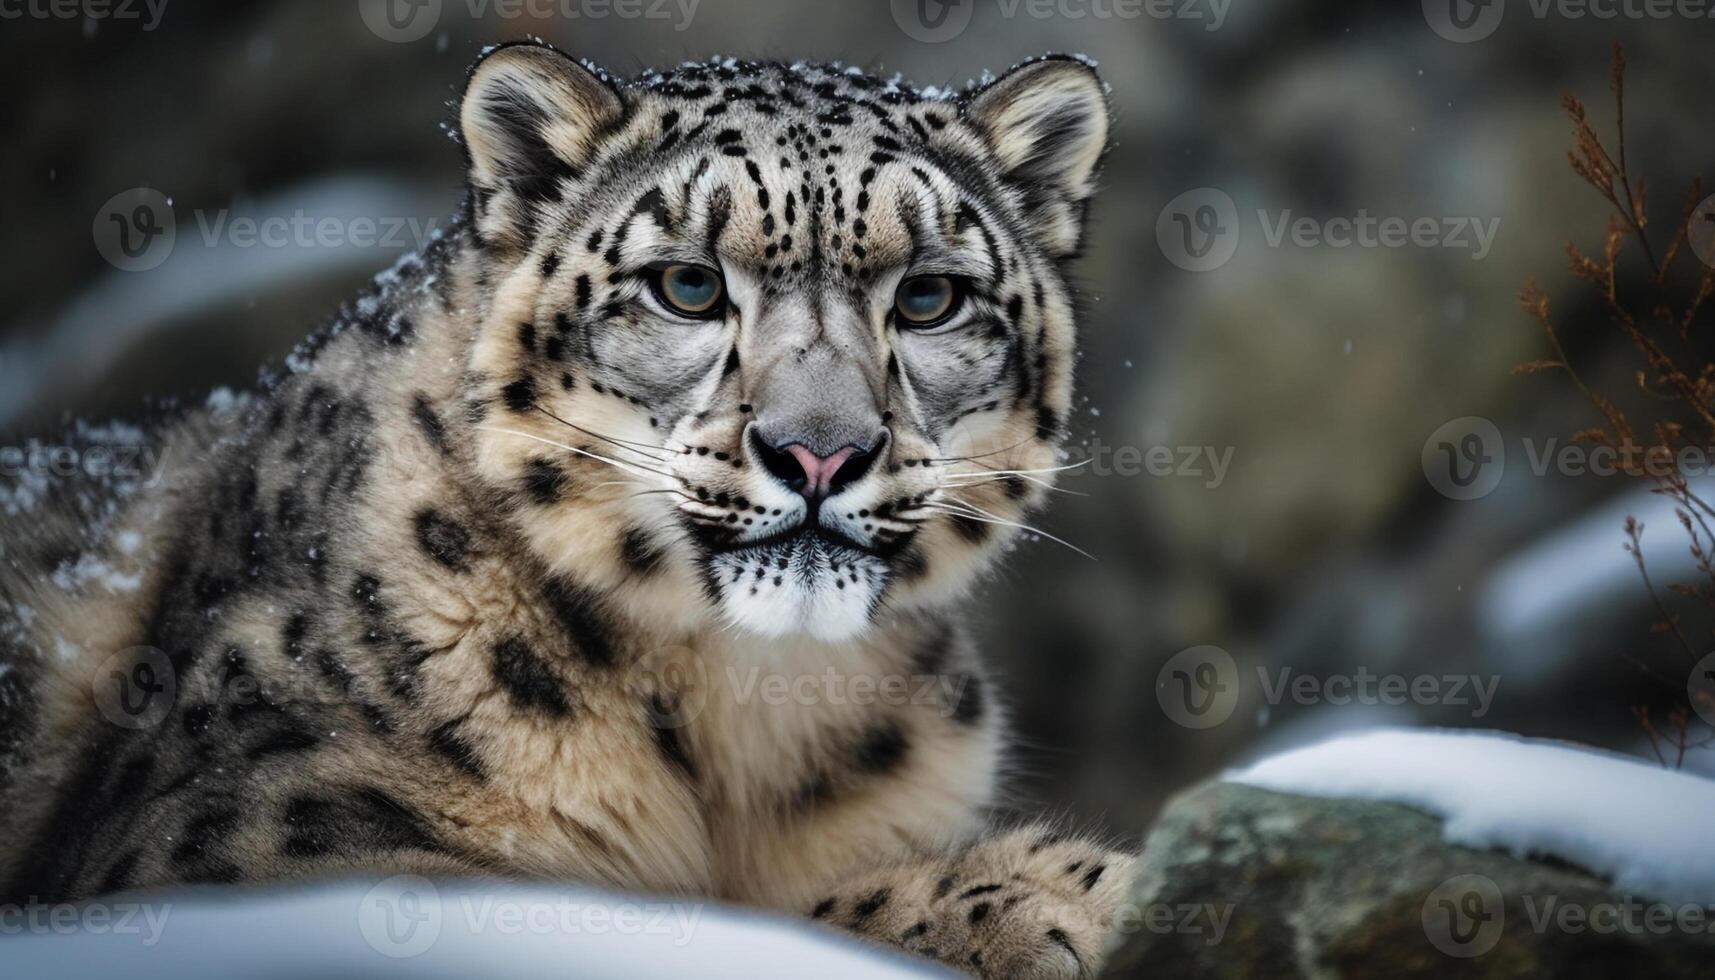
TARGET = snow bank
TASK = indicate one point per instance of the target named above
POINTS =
(1651, 830)
(407, 927)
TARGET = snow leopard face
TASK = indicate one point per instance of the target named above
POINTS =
(791, 343)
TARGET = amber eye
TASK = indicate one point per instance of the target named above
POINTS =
(693, 290)
(924, 301)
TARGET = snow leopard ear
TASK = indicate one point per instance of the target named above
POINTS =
(531, 117)
(1047, 123)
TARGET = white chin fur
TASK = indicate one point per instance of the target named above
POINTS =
(826, 592)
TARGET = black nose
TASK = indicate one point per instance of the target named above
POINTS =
(815, 475)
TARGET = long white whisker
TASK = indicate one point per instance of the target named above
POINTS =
(1051, 469)
(1044, 484)
(625, 444)
(633, 468)
(987, 518)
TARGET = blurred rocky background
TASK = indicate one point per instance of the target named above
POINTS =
(1307, 534)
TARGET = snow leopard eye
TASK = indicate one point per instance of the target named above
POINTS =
(926, 301)
(695, 291)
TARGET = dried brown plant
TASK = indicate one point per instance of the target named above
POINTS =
(1659, 318)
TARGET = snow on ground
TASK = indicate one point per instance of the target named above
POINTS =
(1650, 829)
(407, 927)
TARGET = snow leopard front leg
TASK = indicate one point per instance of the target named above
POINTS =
(1028, 904)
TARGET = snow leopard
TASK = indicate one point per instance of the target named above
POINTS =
(625, 535)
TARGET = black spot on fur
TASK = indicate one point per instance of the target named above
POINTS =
(528, 680)
(969, 528)
(822, 909)
(198, 719)
(654, 203)
(579, 612)
(969, 704)
(1049, 425)
(206, 834)
(363, 822)
(932, 652)
(664, 724)
(1093, 875)
(544, 481)
(447, 742)
(444, 540)
(871, 905)
(882, 749)
(290, 736)
(121, 874)
(429, 421)
(520, 395)
(639, 553)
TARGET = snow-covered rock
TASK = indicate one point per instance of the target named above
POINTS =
(1647, 829)
(1428, 854)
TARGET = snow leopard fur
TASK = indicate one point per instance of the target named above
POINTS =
(505, 570)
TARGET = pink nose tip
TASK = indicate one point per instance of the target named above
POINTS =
(819, 470)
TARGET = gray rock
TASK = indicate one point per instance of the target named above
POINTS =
(1238, 882)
